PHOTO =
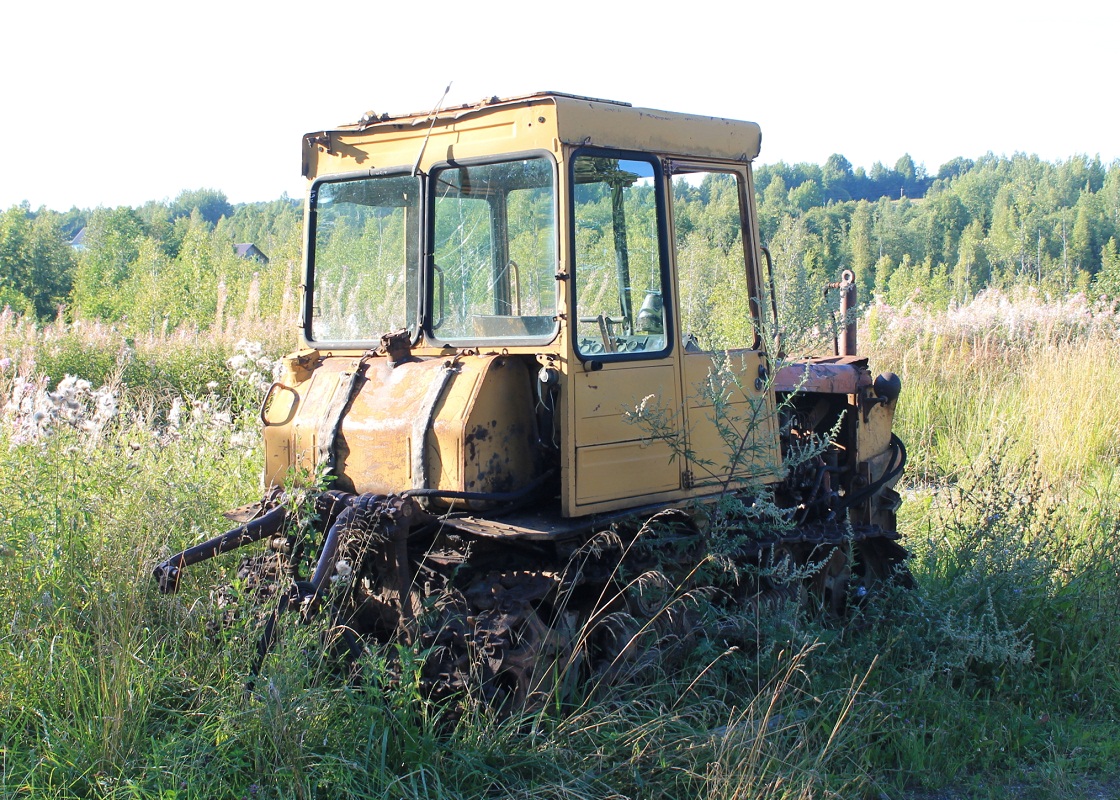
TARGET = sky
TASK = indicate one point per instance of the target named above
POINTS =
(121, 102)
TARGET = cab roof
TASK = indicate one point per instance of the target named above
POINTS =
(588, 120)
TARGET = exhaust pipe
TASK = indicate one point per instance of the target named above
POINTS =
(846, 343)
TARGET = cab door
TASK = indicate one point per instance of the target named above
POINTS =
(730, 421)
(625, 382)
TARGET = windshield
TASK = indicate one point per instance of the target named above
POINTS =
(364, 252)
(494, 252)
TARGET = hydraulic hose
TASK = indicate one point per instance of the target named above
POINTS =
(888, 475)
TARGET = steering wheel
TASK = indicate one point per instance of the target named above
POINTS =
(604, 321)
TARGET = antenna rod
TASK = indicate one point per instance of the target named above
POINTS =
(424, 144)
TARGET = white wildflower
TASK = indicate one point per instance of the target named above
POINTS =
(175, 413)
(342, 570)
(33, 411)
(106, 405)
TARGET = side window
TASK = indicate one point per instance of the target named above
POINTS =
(494, 251)
(619, 290)
(712, 276)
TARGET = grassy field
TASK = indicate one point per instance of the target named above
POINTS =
(997, 676)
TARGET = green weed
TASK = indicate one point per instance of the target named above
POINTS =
(996, 674)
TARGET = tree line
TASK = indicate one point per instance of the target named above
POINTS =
(991, 222)
(158, 266)
(910, 236)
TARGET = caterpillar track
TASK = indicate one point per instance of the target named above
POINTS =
(515, 621)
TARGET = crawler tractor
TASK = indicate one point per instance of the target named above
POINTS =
(538, 364)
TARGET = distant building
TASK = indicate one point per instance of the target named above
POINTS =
(79, 240)
(251, 251)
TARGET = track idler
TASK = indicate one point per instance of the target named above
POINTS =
(350, 521)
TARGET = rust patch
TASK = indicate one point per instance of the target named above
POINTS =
(824, 378)
(480, 434)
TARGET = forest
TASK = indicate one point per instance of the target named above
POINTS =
(993, 222)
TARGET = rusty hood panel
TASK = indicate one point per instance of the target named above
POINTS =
(834, 375)
(462, 425)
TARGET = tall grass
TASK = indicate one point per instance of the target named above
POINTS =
(1012, 506)
(1037, 377)
(181, 361)
(997, 669)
